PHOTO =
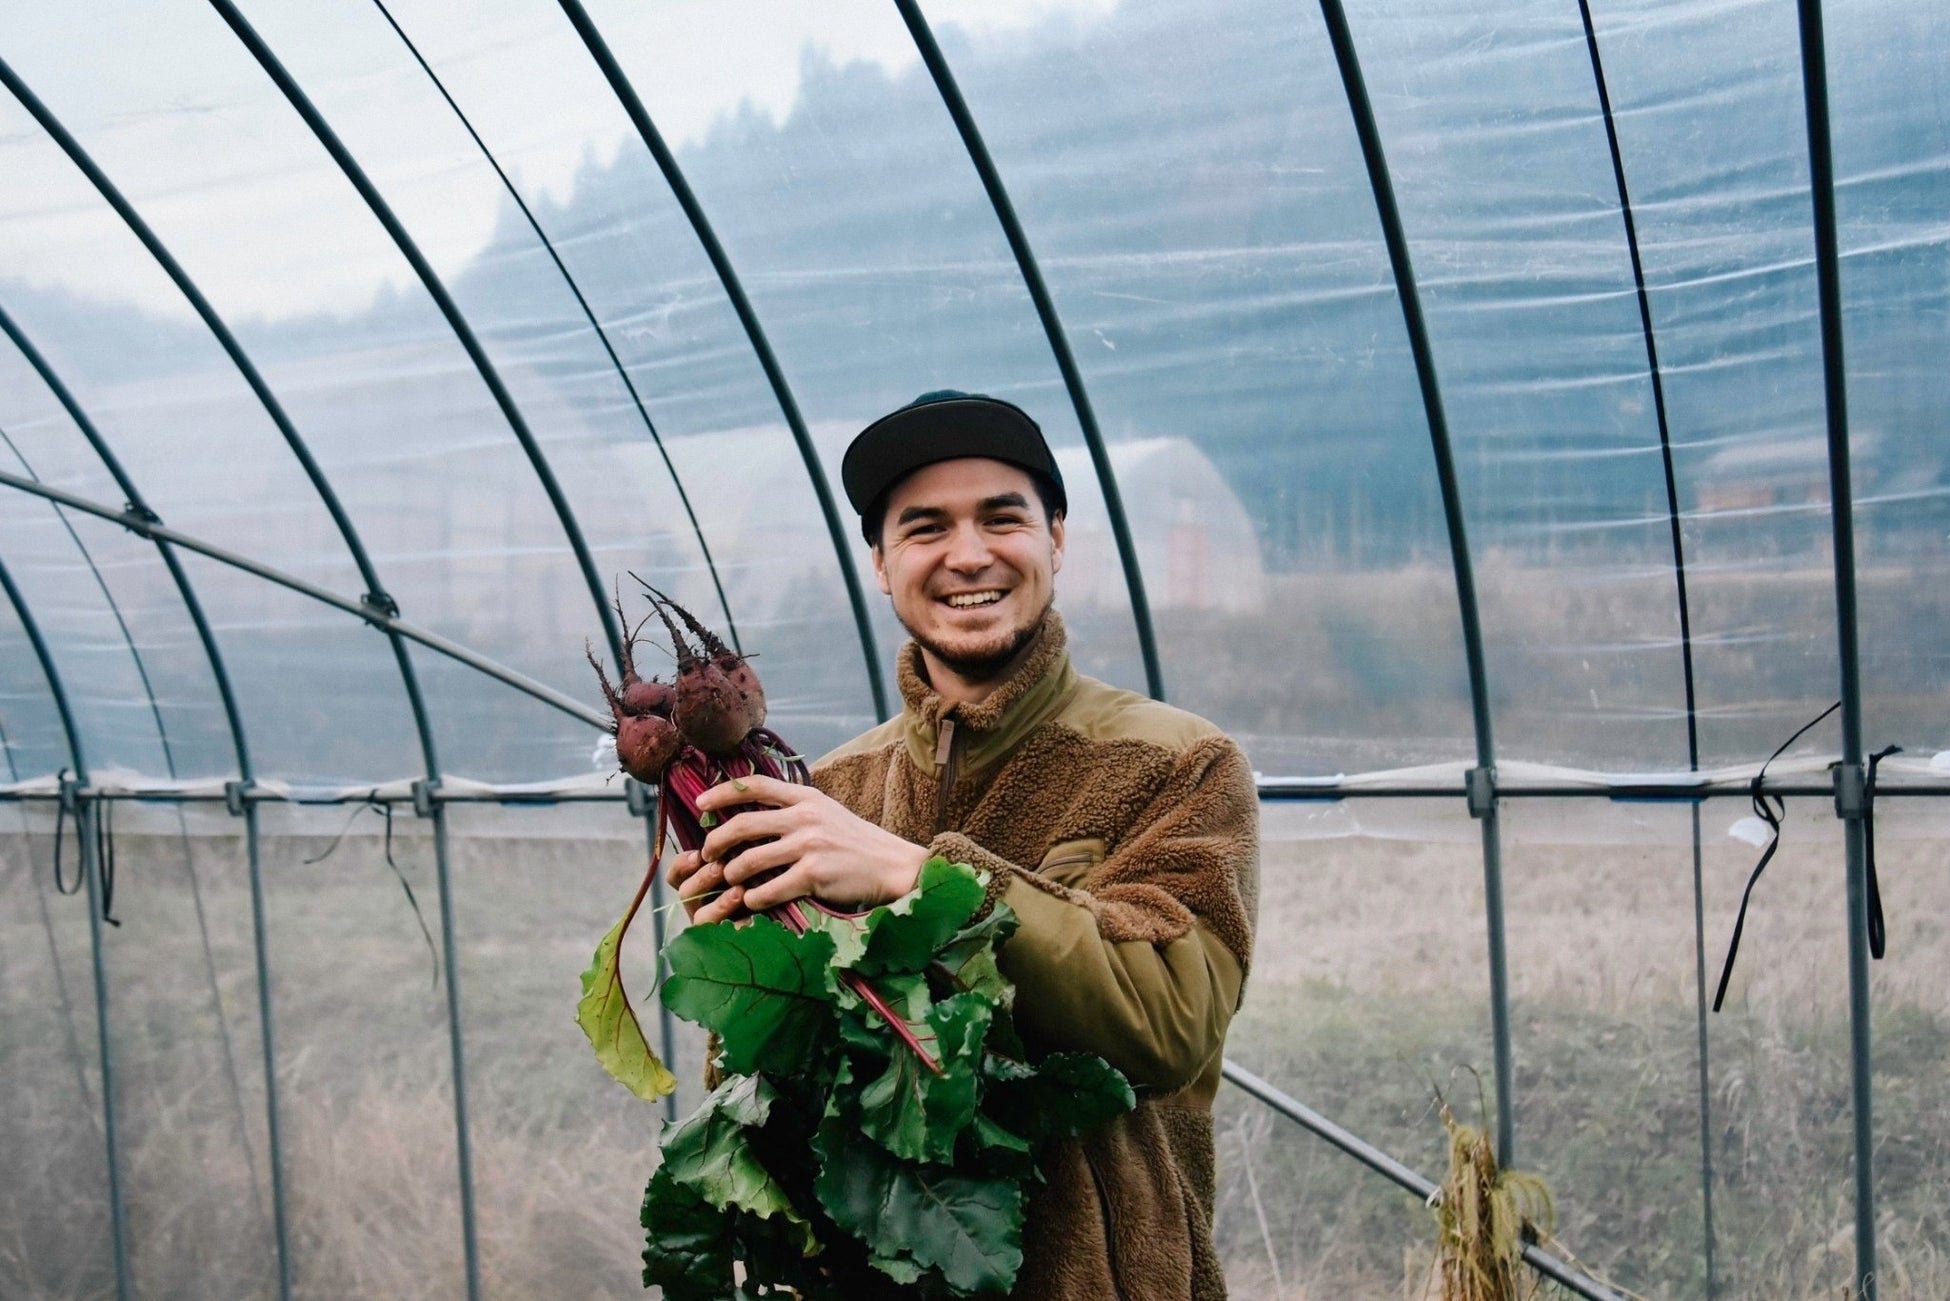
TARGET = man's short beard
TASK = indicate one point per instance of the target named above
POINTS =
(984, 667)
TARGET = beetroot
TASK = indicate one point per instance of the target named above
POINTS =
(713, 712)
(646, 736)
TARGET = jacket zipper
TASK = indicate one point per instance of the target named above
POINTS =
(1110, 1232)
(947, 757)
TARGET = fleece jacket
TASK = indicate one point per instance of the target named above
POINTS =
(1124, 833)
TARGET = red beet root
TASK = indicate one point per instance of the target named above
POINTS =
(712, 713)
(645, 745)
(646, 739)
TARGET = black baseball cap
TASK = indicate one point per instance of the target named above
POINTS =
(941, 426)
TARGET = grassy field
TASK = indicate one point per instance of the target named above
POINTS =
(1368, 996)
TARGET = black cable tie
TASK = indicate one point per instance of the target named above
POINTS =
(1878, 932)
(105, 855)
(1770, 809)
(66, 806)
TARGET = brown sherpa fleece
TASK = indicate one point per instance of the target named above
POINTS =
(1124, 833)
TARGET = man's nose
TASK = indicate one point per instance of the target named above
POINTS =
(970, 550)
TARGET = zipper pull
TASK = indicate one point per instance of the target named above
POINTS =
(944, 762)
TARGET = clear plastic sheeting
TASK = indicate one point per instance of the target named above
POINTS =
(1892, 171)
(511, 356)
(1233, 317)
(1499, 161)
(1713, 132)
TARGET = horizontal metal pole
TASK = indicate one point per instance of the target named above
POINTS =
(1268, 792)
(259, 795)
(1676, 792)
(1412, 1180)
(379, 618)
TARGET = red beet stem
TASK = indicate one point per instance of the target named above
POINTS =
(690, 776)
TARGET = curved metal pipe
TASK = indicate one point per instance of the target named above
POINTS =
(437, 290)
(375, 595)
(575, 289)
(1059, 343)
(363, 609)
(1396, 238)
(1685, 629)
(761, 347)
(114, 609)
(84, 826)
(241, 746)
(1841, 494)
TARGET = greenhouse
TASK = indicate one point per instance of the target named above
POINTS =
(1522, 427)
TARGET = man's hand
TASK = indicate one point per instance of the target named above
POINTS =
(815, 844)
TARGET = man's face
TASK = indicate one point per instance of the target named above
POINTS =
(969, 561)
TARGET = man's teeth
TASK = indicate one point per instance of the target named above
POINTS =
(963, 600)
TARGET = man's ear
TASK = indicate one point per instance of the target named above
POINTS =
(880, 570)
(1056, 543)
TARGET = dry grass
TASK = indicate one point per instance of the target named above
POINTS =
(1368, 992)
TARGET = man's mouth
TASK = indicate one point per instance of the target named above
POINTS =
(970, 600)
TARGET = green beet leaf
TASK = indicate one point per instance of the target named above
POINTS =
(710, 1153)
(605, 1015)
(765, 991)
(968, 959)
(915, 1113)
(970, 1229)
(905, 935)
(1073, 1093)
(688, 1243)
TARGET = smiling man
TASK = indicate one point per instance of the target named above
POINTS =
(1123, 832)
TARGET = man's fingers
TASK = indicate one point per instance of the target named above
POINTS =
(759, 859)
(752, 790)
(794, 883)
(702, 882)
(683, 867)
(728, 904)
(754, 824)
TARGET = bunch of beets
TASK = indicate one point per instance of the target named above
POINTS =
(835, 1161)
(704, 729)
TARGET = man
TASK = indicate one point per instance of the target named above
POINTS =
(1123, 833)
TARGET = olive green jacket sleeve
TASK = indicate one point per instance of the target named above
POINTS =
(1142, 960)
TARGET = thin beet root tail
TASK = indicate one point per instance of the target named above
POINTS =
(687, 655)
(609, 693)
(628, 649)
(713, 647)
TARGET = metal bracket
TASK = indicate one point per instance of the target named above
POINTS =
(139, 519)
(380, 604)
(1851, 792)
(641, 799)
(235, 795)
(1480, 785)
(425, 794)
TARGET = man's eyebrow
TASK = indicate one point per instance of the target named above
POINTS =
(913, 513)
(1004, 500)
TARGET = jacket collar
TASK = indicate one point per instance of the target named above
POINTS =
(995, 725)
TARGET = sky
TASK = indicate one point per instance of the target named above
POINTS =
(185, 123)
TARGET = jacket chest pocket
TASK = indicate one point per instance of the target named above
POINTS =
(1070, 862)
